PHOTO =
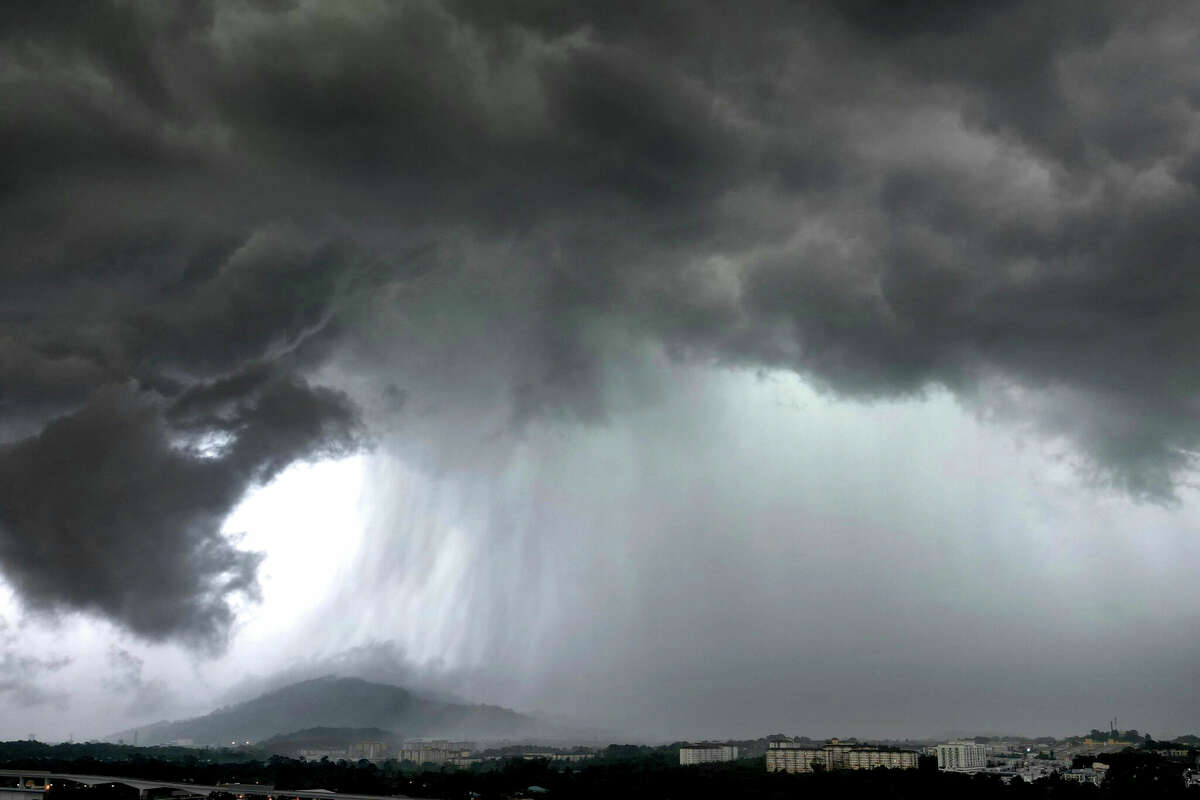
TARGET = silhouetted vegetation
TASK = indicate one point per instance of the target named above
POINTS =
(113, 792)
(104, 752)
(637, 779)
(625, 771)
(1132, 736)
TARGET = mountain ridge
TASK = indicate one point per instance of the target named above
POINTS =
(338, 702)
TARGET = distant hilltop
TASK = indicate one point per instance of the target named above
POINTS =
(338, 703)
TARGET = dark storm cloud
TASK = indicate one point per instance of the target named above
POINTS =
(214, 200)
(19, 681)
(117, 508)
(125, 678)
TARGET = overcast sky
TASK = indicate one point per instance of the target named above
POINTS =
(685, 368)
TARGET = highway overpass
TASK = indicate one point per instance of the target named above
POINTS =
(34, 784)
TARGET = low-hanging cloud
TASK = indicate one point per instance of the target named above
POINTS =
(22, 674)
(145, 696)
(379, 661)
(212, 210)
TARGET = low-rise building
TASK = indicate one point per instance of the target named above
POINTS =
(1175, 753)
(707, 753)
(1082, 776)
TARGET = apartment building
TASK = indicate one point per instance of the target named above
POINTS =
(961, 756)
(791, 756)
(707, 753)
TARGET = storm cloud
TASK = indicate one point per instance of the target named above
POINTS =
(235, 235)
(22, 674)
(117, 508)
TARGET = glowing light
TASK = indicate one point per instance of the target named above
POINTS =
(306, 522)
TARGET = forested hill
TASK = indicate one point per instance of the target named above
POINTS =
(339, 703)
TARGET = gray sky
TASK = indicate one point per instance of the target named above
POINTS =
(686, 370)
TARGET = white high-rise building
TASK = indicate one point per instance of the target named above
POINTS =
(707, 753)
(961, 756)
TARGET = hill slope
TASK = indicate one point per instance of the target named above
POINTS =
(340, 703)
(322, 738)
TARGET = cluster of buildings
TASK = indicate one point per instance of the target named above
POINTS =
(806, 756)
(439, 751)
(551, 756)
(802, 756)
(372, 751)
(1004, 758)
(1008, 763)
(464, 754)
(1093, 775)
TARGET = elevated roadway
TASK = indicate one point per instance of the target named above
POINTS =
(34, 784)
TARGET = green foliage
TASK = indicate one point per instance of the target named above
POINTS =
(1130, 735)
